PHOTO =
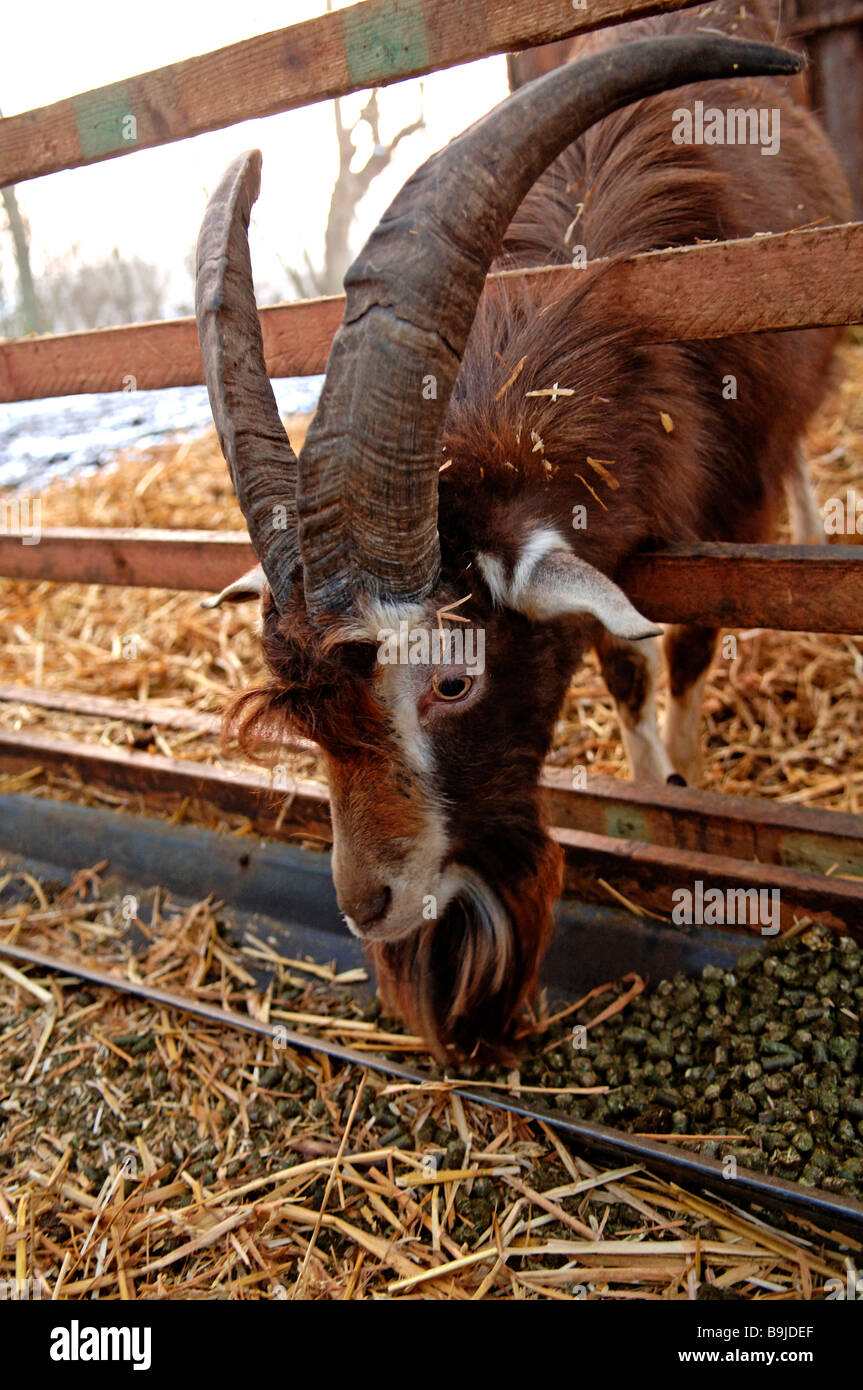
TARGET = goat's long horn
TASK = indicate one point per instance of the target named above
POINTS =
(368, 481)
(262, 463)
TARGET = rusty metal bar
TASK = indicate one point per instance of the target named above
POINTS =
(650, 876)
(248, 793)
(749, 828)
(808, 839)
(147, 712)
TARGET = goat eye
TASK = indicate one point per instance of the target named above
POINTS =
(452, 687)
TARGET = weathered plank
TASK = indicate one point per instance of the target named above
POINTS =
(748, 828)
(150, 713)
(241, 792)
(149, 356)
(368, 45)
(796, 279)
(795, 588)
(711, 291)
(146, 712)
(808, 839)
(647, 873)
(197, 560)
(651, 875)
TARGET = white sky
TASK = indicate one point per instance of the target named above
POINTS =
(150, 204)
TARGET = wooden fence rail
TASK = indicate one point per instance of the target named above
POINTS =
(645, 841)
(751, 285)
(197, 560)
(647, 838)
(810, 840)
(367, 45)
(796, 588)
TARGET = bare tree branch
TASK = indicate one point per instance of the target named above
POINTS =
(350, 188)
(29, 312)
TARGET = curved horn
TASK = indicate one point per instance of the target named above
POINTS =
(368, 479)
(262, 463)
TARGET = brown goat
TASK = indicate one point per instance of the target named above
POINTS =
(441, 860)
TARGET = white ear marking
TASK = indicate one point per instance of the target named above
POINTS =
(543, 541)
(549, 581)
(507, 592)
(491, 569)
(248, 586)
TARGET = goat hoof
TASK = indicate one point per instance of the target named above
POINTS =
(674, 779)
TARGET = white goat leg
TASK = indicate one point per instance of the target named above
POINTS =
(689, 650)
(682, 731)
(807, 528)
(631, 670)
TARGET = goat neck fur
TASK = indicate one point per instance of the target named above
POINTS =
(717, 474)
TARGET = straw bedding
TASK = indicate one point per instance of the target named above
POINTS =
(150, 1155)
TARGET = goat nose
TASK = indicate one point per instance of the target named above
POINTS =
(371, 907)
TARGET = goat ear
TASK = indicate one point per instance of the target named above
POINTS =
(250, 585)
(548, 581)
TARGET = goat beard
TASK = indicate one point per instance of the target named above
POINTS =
(463, 982)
